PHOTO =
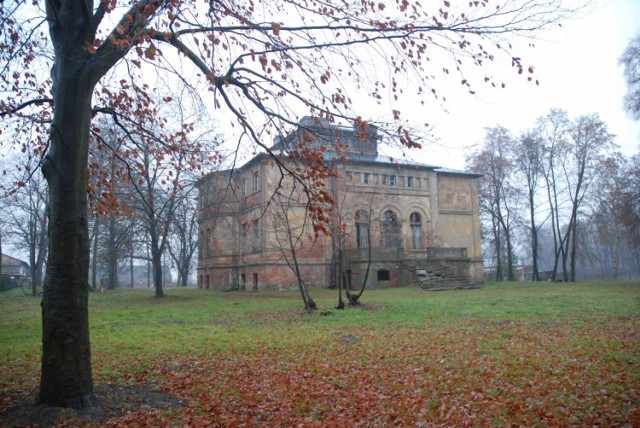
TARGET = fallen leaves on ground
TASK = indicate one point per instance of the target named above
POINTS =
(480, 374)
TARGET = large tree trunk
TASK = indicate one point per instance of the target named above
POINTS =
(66, 357)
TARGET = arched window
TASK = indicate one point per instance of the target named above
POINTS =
(362, 229)
(415, 226)
(390, 230)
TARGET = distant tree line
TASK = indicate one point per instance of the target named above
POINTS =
(143, 216)
(558, 199)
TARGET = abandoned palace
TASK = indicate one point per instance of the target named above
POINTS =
(401, 222)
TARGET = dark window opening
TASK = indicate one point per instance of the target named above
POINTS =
(384, 275)
(415, 226)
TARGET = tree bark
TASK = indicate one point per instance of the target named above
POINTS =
(66, 358)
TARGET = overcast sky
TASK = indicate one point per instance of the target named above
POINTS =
(577, 66)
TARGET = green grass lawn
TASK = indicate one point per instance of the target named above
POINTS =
(531, 354)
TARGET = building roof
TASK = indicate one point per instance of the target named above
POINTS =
(358, 147)
(12, 261)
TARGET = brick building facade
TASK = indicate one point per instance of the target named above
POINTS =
(410, 223)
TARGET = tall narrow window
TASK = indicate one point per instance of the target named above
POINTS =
(366, 178)
(244, 187)
(208, 242)
(415, 226)
(409, 181)
(393, 180)
(362, 229)
(390, 230)
(256, 236)
(385, 180)
(256, 182)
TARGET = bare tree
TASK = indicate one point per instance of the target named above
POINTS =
(24, 214)
(604, 239)
(591, 142)
(528, 161)
(630, 211)
(363, 239)
(555, 131)
(498, 197)
(290, 221)
(631, 61)
(183, 242)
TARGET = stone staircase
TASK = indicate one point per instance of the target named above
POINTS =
(438, 275)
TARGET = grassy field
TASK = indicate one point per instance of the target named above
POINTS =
(528, 354)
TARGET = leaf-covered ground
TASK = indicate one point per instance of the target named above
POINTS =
(548, 355)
